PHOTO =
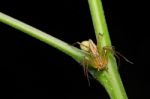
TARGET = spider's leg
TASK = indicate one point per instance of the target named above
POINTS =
(85, 69)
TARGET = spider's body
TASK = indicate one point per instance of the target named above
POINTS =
(98, 59)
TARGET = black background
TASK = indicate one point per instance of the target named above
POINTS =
(30, 68)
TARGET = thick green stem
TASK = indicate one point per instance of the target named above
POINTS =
(110, 78)
(77, 54)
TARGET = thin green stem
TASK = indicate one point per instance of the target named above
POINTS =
(110, 79)
(77, 54)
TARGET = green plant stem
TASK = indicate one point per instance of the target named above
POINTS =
(110, 78)
(77, 54)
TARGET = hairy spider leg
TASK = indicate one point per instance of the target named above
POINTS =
(85, 69)
(116, 54)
